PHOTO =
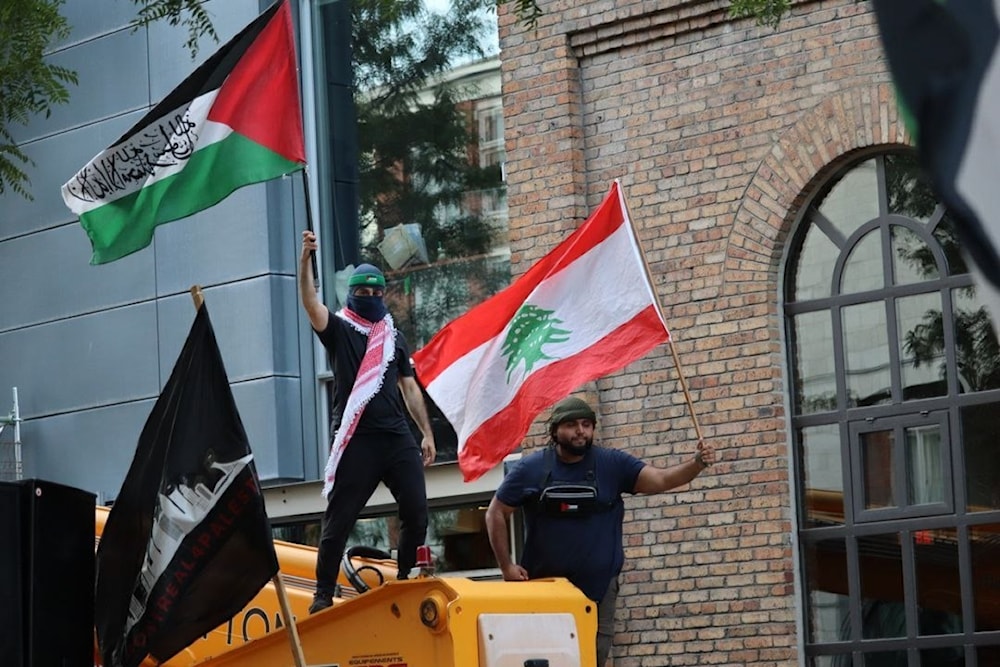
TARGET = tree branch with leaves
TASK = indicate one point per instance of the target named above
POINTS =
(29, 85)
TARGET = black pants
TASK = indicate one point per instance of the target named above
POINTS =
(369, 459)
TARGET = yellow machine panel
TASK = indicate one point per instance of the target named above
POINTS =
(439, 622)
(423, 622)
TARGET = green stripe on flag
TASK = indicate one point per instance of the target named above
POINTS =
(126, 225)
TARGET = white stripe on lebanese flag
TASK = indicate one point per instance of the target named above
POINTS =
(584, 310)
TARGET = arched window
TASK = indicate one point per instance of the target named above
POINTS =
(895, 399)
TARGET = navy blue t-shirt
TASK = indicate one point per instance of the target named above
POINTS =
(586, 549)
(346, 346)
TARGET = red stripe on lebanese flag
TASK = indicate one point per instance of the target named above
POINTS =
(490, 317)
(266, 74)
(542, 389)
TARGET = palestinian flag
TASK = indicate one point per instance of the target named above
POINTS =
(584, 310)
(944, 61)
(235, 121)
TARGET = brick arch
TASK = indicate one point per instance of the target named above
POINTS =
(819, 142)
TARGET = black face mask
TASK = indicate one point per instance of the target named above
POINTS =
(372, 308)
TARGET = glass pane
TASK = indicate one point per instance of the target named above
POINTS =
(815, 374)
(830, 661)
(988, 655)
(939, 593)
(826, 581)
(882, 611)
(912, 260)
(423, 299)
(457, 536)
(814, 267)
(977, 353)
(877, 477)
(921, 346)
(946, 235)
(906, 189)
(982, 464)
(950, 656)
(886, 659)
(823, 472)
(863, 270)
(853, 201)
(866, 354)
(925, 469)
(985, 547)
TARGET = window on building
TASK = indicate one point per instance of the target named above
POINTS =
(456, 534)
(895, 371)
(412, 162)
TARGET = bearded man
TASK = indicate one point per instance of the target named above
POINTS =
(372, 441)
(571, 493)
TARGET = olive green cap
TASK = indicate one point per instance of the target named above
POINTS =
(569, 409)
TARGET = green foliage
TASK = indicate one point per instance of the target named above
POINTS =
(29, 85)
(189, 13)
(766, 12)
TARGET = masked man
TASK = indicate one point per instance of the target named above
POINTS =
(372, 441)
(571, 493)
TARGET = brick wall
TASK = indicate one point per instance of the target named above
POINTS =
(717, 129)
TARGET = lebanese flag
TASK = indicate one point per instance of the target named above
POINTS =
(584, 310)
(235, 121)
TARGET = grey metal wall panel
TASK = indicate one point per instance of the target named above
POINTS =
(56, 159)
(90, 449)
(113, 80)
(47, 276)
(287, 323)
(286, 210)
(89, 348)
(226, 242)
(244, 317)
(101, 359)
(93, 19)
(272, 415)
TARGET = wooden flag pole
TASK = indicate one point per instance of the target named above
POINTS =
(293, 630)
(279, 585)
(197, 297)
(659, 309)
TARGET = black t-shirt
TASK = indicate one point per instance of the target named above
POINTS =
(386, 411)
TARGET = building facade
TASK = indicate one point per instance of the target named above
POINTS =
(838, 355)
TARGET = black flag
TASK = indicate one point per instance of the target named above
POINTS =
(187, 543)
(945, 62)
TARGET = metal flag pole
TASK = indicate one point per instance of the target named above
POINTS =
(279, 585)
(309, 224)
(659, 309)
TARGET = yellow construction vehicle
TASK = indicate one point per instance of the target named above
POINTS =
(378, 621)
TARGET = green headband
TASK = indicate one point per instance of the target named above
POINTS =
(366, 279)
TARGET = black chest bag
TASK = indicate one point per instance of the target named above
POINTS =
(560, 498)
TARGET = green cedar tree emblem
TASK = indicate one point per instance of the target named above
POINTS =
(531, 328)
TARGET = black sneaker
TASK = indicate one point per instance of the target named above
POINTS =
(320, 602)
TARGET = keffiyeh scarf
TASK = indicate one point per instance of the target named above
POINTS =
(379, 353)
